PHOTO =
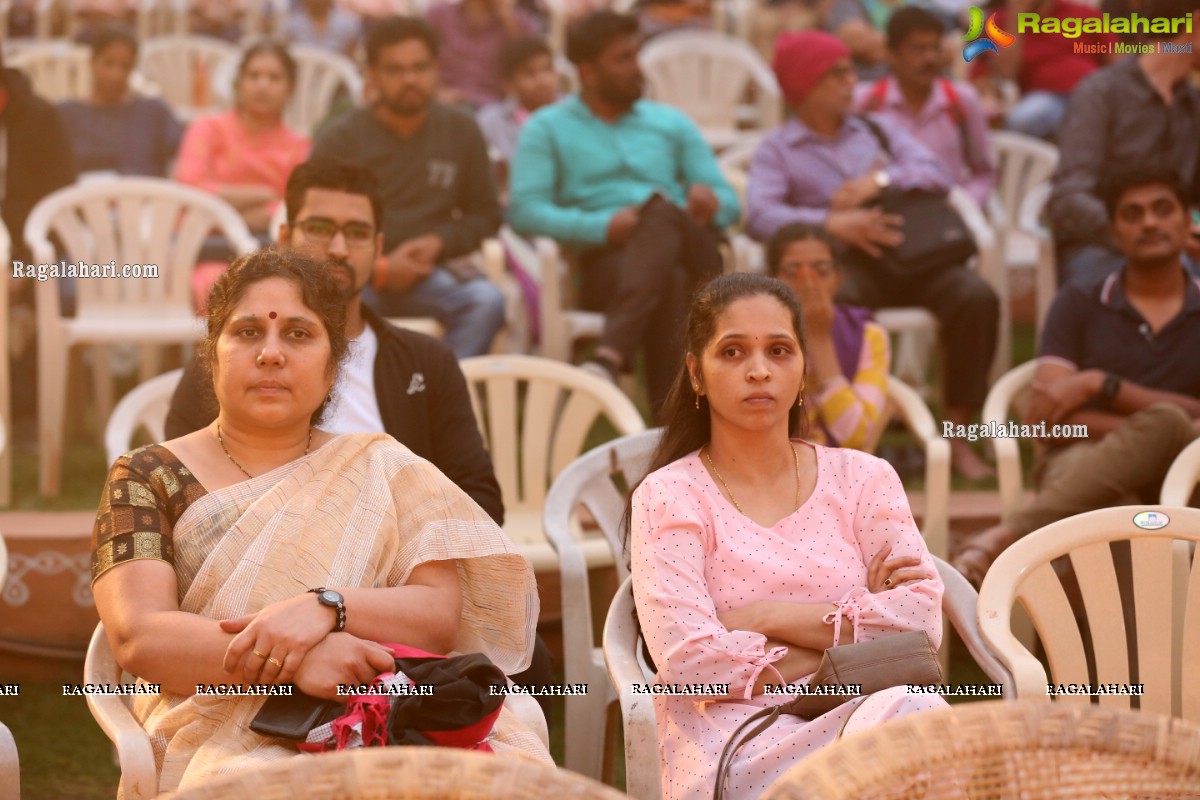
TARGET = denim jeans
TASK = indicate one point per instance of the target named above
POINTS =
(1037, 114)
(472, 312)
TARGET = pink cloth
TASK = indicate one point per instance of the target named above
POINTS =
(218, 150)
(694, 554)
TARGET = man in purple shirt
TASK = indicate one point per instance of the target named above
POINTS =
(824, 167)
(945, 116)
(473, 32)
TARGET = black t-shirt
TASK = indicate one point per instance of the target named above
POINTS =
(439, 180)
(1096, 327)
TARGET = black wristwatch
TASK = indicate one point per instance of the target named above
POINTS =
(328, 597)
(1109, 389)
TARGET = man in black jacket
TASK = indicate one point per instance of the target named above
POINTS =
(394, 380)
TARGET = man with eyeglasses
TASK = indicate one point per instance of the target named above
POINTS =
(828, 167)
(1118, 356)
(439, 197)
(396, 381)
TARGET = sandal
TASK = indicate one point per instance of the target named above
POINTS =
(975, 557)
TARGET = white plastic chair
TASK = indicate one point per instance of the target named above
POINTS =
(535, 415)
(184, 69)
(626, 668)
(598, 482)
(129, 221)
(320, 74)
(139, 776)
(1162, 588)
(146, 406)
(1026, 166)
(58, 70)
(1182, 477)
(706, 75)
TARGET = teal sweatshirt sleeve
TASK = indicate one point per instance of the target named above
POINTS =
(536, 174)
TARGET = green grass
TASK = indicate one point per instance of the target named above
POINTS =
(64, 755)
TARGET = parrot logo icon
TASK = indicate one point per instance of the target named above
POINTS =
(991, 33)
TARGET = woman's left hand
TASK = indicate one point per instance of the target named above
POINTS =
(270, 644)
(884, 575)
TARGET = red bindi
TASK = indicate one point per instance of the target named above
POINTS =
(272, 315)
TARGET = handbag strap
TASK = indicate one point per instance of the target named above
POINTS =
(767, 717)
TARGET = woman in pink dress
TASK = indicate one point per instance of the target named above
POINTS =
(753, 552)
(245, 156)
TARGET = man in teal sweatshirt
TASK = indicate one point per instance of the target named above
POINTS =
(632, 186)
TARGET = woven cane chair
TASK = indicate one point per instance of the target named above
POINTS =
(402, 773)
(999, 750)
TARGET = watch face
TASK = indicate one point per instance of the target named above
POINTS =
(330, 597)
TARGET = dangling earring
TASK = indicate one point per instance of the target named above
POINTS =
(800, 403)
(696, 389)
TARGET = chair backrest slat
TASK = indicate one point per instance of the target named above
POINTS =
(540, 423)
(579, 413)
(502, 435)
(1154, 579)
(1046, 603)
(1093, 565)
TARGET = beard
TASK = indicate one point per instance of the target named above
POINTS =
(406, 103)
(345, 276)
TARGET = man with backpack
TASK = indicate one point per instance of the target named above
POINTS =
(944, 115)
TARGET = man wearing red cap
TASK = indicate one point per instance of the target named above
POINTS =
(824, 167)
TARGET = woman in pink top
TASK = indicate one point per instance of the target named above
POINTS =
(245, 156)
(753, 552)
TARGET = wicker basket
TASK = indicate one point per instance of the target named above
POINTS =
(1026, 750)
(402, 773)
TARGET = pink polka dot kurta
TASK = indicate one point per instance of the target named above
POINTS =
(695, 555)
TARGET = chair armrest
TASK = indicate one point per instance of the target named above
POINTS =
(1008, 454)
(139, 775)
(959, 604)
(493, 260)
(937, 463)
(1029, 213)
(551, 302)
(1182, 476)
(637, 711)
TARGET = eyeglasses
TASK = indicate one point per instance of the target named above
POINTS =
(319, 230)
(822, 269)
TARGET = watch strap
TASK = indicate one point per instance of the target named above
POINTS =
(1109, 389)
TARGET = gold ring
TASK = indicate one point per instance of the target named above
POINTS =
(887, 581)
(260, 655)
(276, 662)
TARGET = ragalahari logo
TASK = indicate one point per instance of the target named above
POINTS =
(992, 33)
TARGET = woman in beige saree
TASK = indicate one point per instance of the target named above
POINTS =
(208, 548)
